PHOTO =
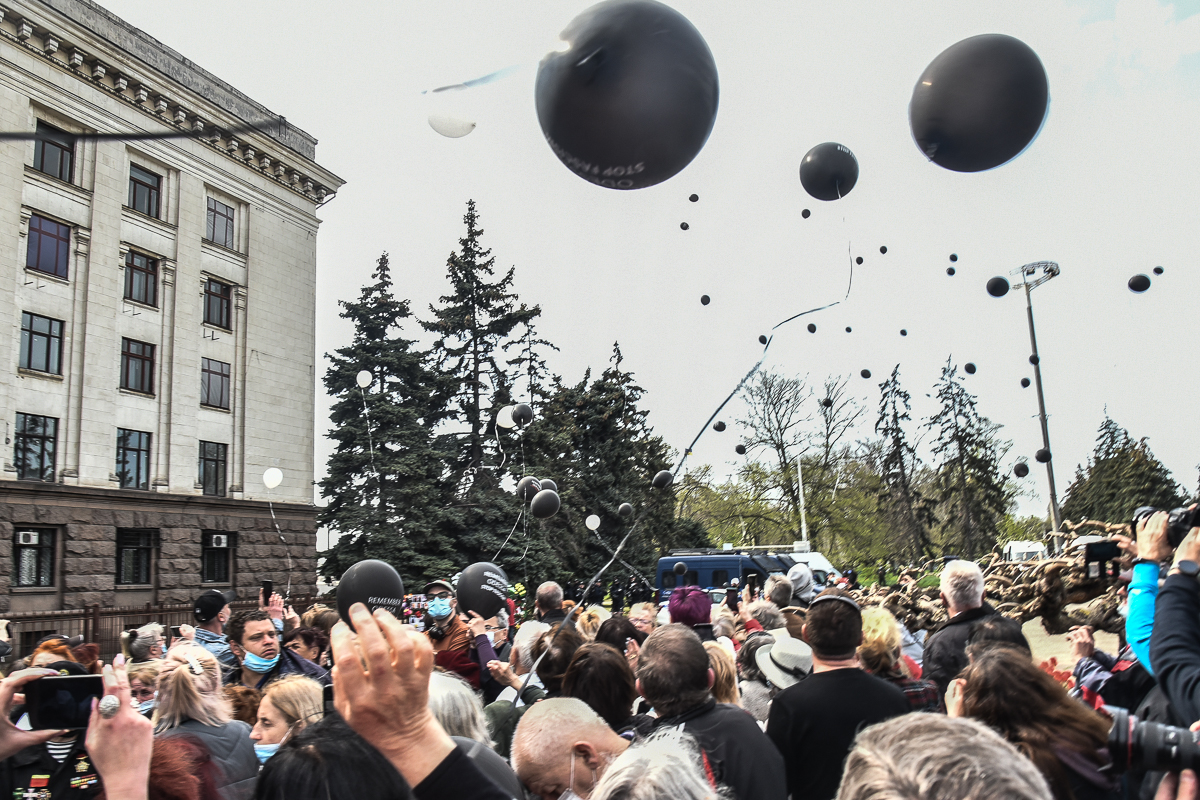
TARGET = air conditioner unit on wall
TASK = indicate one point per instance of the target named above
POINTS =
(220, 540)
(29, 537)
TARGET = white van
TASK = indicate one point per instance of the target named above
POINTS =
(1024, 551)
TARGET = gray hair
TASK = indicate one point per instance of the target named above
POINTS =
(549, 729)
(767, 614)
(136, 644)
(962, 584)
(502, 617)
(549, 596)
(457, 708)
(666, 766)
(778, 589)
(522, 643)
(934, 757)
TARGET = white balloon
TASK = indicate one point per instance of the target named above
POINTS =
(504, 418)
(452, 126)
(592, 522)
(365, 379)
(272, 477)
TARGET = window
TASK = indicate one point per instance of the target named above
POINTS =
(133, 459)
(33, 557)
(214, 383)
(54, 152)
(219, 229)
(49, 246)
(216, 556)
(144, 187)
(137, 366)
(41, 343)
(216, 304)
(135, 554)
(668, 580)
(141, 279)
(36, 444)
(720, 577)
(212, 468)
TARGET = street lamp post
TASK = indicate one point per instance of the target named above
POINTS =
(1049, 269)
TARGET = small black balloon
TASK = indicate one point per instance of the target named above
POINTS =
(548, 484)
(1139, 283)
(883, 250)
(482, 588)
(812, 328)
(718, 426)
(1042, 456)
(866, 373)
(1021, 469)
(683, 226)
(949, 270)
(805, 213)
(527, 487)
(662, 479)
(829, 171)
(979, 103)
(632, 97)
(954, 256)
(827, 402)
(998, 286)
(625, 510)
(740, 449)
(1158, 270)
(705, 299)
(680, 568)
(1024, 383)
(903, 332)
(522, 414)
(545, 504)
(694, 198)
(970, 368)
(373, 583)
(847, 329)
(858, 260)
(762, 338)
(1034, 360)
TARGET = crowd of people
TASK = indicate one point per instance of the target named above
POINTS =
(791, 694)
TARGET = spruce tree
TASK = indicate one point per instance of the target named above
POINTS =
(387, 505)
(973, 495)
(904, 507)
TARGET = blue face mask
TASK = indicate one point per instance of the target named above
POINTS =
(265, 751)
(147, 706)
(439, 608)
(258, 663)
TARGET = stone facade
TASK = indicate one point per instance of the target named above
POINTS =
(235, 209)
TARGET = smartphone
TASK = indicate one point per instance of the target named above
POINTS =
(268, 589)
(328, 696)
(752, 582)
(731, 599)
(1107, 550)
(62, 701)
(175, 633)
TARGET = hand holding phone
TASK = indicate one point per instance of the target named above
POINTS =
(62, 702)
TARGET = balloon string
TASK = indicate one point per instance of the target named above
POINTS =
(849, 254)
(489, 78)
(520, 515)
(629, 566)
(371, 442)
(287, 550)
(500, 447)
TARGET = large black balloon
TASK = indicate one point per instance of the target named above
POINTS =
(545, 504)
(625, 510)
(482, 588)
(522, 414)
(680, 568)
(548, 484)
(373, 583)
(718, 426)
(1021, 469)
(527, 487)
(998, 286)
(1139, 283)
(980, 103)
(632, 98)
(662, 479)
(829, 171)
(1042, 456)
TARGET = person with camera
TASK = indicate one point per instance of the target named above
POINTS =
(1175, 639)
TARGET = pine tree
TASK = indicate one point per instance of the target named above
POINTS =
(973, 495)
(385, 482)
(1121, 475)
(902, 504)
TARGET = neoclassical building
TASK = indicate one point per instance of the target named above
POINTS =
(161, 299)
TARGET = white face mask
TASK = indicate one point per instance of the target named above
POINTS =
(570, 793)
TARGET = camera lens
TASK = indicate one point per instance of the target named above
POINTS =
(1150, 746)
(1180, 521)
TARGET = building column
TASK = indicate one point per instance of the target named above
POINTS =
(70, 443)
(166, 360)
(237, 442)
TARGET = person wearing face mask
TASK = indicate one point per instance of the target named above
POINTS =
(288, 706)
(262, 660)
(561, 748)
(143, 686)
(449, 635)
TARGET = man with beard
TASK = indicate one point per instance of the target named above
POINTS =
(450, 636)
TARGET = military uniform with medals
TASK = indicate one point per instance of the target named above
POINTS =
(33, 774)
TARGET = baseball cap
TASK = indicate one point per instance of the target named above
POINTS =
(439, 584)
(68, 668)
(209, 604)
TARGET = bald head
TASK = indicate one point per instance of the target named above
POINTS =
(555, 733)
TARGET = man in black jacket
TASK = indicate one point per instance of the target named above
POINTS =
(1175, 642)
(675, 678)
(946, 648)
(254, 639)
(548, 603)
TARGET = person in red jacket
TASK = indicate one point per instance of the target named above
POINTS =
(449, 635)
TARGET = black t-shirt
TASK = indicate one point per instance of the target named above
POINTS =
(814, 722)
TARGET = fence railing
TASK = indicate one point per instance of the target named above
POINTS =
(104, 625)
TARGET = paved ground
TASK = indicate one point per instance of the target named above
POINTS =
(1044, 646)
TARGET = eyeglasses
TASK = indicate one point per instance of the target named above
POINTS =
(438, 596)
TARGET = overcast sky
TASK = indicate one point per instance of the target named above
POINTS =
(1108, 190)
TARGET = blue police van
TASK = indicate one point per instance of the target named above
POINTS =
(716, 570)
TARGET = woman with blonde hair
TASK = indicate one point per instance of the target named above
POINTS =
(879, 655)
(190, 703)
(144, 643)
(589, 621)
(288, 706)
(724, 688)
(143, 685)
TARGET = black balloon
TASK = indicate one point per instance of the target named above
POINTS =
(858, 260)
(683, 226)
(705, 299)
(1139, 283)
(762, 338)
(812, 328)
(1158, 270)
(1034, 360)
(527, 487)
(998, 286)
(903, 332)
(545, 504)
(662, 479)
(969, 367)
(847, 329)
(883, 250)
(632, 98)
(373, 583)
(1021, 469)
(1024, 383)
(548, 484)
(718, 426)
(522, 414)
(625, 510)
(827, 402)
(829, 171)
(680, 568)
(980, 103)
(694, 198)
(1042, 456)
(866, 373)
(805, 213)
(740, 449)
(949, 270)
(954, 256)
(482, 588)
